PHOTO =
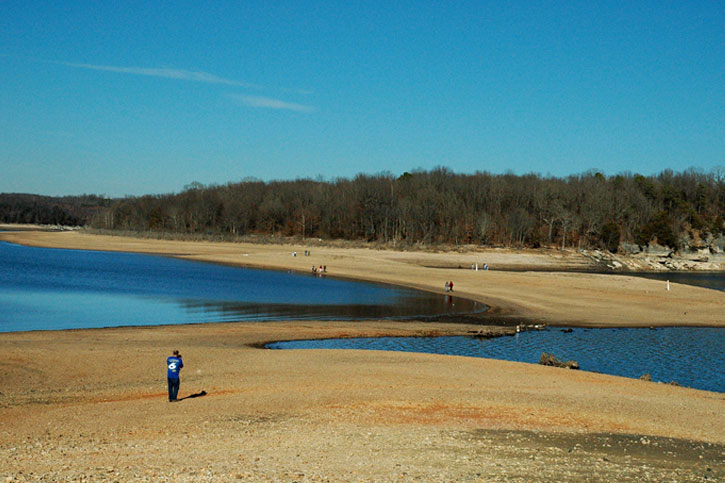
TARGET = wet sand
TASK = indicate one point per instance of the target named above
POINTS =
(91, 404)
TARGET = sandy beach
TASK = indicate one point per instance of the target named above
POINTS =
(91, 404)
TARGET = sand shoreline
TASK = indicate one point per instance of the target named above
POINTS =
(554, 298)
(90, 404)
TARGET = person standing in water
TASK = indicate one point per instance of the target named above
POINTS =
(174, 365)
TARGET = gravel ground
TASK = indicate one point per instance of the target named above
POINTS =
(255, 449)
(91, 406)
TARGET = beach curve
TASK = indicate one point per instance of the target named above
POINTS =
(90, 404)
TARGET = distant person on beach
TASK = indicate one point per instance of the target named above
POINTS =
(450, 285)
(447, 286)
(174, 365)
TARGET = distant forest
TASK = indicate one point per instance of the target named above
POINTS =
(48, 210)
(424, 207)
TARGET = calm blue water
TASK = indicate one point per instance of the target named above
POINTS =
(693, 357)
(43, 288)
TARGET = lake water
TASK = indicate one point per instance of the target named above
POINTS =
(692, 357)
(44, 288)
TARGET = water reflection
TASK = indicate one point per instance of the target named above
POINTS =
(406, 308)
(43, 288)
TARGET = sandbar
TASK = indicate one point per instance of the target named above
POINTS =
(550, 297)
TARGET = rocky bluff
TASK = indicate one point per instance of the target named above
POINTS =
(695, 253)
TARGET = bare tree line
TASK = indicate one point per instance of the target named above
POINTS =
(442, 207)
(48, 210)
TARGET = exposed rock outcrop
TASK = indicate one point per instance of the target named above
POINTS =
(547, 359)
(697, 254)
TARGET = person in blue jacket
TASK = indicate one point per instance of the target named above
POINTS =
(174, 365)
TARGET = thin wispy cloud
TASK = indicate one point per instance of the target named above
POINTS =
(198, 76)
(270, 103)
(178, 74)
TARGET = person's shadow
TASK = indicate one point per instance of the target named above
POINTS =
(191, 396)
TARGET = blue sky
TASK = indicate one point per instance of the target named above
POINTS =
(130, 98)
